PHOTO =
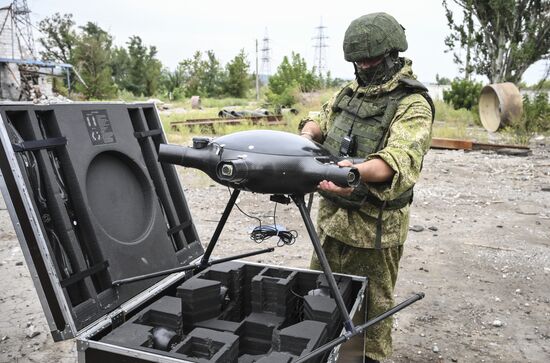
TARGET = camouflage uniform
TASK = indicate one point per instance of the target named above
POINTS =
(348, 235)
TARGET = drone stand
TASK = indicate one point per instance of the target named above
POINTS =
(300, 203)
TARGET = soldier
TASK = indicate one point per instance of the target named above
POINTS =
(383, 117)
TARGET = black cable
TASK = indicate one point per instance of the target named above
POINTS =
(243, 212)
(261, 232)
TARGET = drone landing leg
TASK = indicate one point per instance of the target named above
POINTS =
(300, 203)
(219, 228)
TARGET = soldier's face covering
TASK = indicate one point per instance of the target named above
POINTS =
(376, 71)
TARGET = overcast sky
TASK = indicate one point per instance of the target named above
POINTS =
(179, 28)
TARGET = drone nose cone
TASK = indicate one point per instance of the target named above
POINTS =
(353, 177)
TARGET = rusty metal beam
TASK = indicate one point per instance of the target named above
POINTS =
(451, 144)
(456, 144)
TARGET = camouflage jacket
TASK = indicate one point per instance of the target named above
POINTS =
(408, 141)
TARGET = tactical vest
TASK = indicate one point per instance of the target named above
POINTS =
(369, 118)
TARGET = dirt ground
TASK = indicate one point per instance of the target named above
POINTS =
(481, 255)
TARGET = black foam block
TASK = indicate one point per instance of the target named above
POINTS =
(300, 338)
(165, 312)
(130, 335)
(344, 285)
(219, 325)
(323, 309)
(200, 300)
(272, 291)
(256, 333)
(204, 345)
(276, 357)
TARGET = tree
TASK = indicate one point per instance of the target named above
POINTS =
(59, 38)
(293, 73)
(202, 76)
(192, 71)
(237, 80)
(120, 66)
(91, 57)
(442, 81)
(502, 38)
(172, 83)
(143, 68)
(212, 75)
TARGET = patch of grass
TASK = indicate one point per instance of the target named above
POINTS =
(446, 113)
(449, 130)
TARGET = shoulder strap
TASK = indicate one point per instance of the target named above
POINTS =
(346, 91)
(414, 86)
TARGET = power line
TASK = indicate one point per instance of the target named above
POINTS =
(320, 45)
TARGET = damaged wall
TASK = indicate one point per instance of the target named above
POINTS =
(19, 81)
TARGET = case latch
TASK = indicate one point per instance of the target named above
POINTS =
(118, 319)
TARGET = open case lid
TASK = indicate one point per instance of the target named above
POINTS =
(91, 204)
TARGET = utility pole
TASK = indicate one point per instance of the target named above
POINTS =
(257, 76)
(320, 45)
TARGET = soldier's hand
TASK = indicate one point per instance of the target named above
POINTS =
(329, 186)
(345, 163)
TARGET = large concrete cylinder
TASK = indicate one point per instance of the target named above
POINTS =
(500, 104)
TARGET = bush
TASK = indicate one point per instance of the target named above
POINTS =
(536, 113)
(286, 98)
(463, 94)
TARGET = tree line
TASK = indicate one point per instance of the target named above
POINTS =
(107, 69)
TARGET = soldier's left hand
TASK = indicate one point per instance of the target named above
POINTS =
(329, 186)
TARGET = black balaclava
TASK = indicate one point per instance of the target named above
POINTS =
(381, 73)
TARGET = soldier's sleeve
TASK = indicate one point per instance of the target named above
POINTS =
(408, 141)
(324, 116)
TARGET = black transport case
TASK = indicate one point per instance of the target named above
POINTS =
(90, 205)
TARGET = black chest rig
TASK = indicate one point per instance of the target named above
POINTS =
(365, 119)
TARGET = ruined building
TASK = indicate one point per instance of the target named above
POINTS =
(22, 76)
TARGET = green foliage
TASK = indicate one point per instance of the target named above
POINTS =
(91, 57)
(58, 86)
(59, 38)
(144, 68)
(237, 80)
(171, 83)
(463, 94)
(212, 75)
(201, 76)
(542, 85)
(501, 38)
(291, 77)
(536, 113)
(442, 80)
(120, 66)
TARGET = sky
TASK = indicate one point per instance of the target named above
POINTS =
(179, 28)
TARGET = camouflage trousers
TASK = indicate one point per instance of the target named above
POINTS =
(381, 267)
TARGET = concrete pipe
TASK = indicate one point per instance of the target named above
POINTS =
(500, 104)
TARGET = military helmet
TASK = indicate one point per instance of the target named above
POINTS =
(373, 35)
